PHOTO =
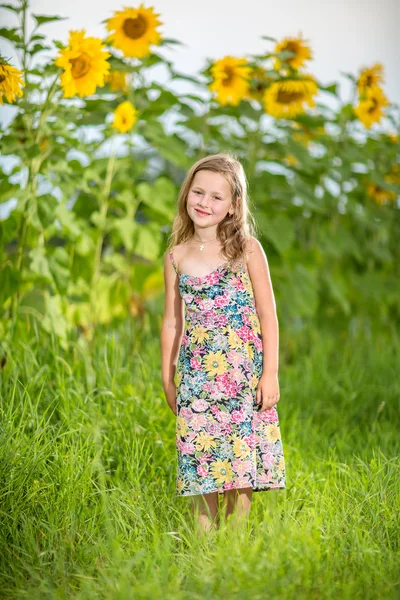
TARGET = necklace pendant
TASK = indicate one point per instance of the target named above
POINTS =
(202, 247)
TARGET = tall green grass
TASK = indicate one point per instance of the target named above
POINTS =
(87, 467)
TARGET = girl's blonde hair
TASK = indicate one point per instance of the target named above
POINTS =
(235, 230)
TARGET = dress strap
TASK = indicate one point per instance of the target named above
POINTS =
(173, 261)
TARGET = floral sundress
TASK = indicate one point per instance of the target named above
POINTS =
(223, 442)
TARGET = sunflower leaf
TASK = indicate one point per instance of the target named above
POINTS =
(43, 19)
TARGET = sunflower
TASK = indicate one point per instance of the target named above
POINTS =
(133, 30)
(301, 52)
(287, 98)
(230, 80)
(11, 82)
(258, 84)
(117, 80)
(85, 65)
(369, 110)
(370, 77)
(125, 116)
(380, 194)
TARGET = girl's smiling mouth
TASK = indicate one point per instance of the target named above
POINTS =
(201, 213)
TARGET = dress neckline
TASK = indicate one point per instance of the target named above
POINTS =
(204, 276)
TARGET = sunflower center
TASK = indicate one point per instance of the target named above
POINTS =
(287, 97)
(373, 106)
(80, 65)
(229, 74)
(135, 28)
(292, 47)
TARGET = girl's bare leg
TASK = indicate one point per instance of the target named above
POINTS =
(238, 502)
(205, 509)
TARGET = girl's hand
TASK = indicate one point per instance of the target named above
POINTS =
(170, 394)
(267, 394)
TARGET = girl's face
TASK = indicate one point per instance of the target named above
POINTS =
(210, 192)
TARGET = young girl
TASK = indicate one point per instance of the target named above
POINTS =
(219, 344)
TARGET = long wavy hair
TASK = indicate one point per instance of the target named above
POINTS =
(234, 230)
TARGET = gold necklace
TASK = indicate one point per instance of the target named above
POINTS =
(202, 244)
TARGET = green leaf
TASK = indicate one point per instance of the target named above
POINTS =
(39, 264)
(43, 19)
(126, 227)
(9, 278)
(46, 209)
(280, 231)
(11, 34)
(59, 267)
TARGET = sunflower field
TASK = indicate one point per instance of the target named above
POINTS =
(95, 152)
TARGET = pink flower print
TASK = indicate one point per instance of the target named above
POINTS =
(188, 448)
(244, 333)
(229, 485)
(202, 471)
(268, 460)
(239, 466)
(198, 351)
(222, 300)
(246, 320)
(185, 340)
(195, 364)
(238, 283)
(199, 405)
(226, 428)
(271, 414)
(213, 428)
(248, 466)
(206, 304)
(198, 422)
(188, 298)
(220, 320)
(246, 309)
(264, 477)
(186, 413)
(243, 482)
(251, 441)
(238, 416)
(258, 344)
(214, 409)
(223, 417)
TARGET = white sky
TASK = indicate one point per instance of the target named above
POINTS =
(345, 34)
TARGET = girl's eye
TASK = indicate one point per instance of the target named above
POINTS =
(197, 192)
(217, 198)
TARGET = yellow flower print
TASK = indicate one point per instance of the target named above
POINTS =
(181, 427)
(272, 433)
(240, 448)
(249, 349)
(281, 464)
(215, 364)
(204, 441)
(221, 471)
(234, 341)
(199, 334)
(255, 323)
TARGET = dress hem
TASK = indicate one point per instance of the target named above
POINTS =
(219, 490)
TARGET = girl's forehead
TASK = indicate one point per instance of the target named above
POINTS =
(212, 181)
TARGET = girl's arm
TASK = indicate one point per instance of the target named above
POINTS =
(171, 329)
(265, 305)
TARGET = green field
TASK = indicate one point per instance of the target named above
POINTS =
(87, 467)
